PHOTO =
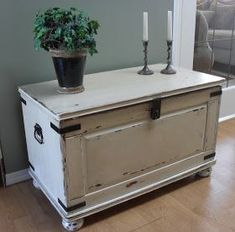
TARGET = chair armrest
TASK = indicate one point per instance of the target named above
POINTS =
(209, 15)
(201, 34)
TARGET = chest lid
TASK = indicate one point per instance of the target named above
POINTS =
(108, 90)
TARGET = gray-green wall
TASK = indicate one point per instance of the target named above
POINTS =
(119, 45)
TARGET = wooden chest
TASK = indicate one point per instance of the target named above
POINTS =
(124, 136)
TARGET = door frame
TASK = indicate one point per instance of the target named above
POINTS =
(184, 33)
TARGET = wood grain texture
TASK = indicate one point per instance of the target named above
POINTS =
(193, 204)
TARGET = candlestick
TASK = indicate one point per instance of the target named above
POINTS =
(169, 69)
(169, 26)
(145, 70)
(145, 26)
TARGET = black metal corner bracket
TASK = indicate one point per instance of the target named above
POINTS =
(156, 109)
(23, 101)
(66, 129)
(71, 208)
(210, 156)
(216, 93)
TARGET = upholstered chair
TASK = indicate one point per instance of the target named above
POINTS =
(203, 56)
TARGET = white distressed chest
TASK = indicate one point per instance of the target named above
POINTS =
(124, 136)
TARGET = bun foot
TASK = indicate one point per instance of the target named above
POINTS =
(72, 226)
(205, 173)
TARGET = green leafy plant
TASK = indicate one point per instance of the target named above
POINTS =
(68, 30)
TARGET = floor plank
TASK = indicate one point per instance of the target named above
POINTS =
(189, 205)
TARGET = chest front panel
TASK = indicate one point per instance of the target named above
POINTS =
(121, 144)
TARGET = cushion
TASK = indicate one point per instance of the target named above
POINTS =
(226, 2)
(222, 38)
(224, 17)
(203, 4)
(224, 13)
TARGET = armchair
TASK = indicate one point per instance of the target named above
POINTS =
(203, 56)
(220, 16)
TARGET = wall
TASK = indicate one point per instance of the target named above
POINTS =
(119, 45)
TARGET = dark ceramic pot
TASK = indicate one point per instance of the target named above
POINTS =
(69, 67)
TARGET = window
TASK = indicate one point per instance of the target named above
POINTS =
(214, 50)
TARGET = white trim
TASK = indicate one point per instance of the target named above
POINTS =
(16, 177)
(226, 118)
(227, 109)
(177, 22)
(184, 33)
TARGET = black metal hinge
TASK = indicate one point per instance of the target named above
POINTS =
(66, 129)
(71, 208)
(209, 156)
(156, 109)
(23, 101)
(216, 93)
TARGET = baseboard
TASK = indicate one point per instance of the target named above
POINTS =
(227, 109)
(232, 116)
(17, 177)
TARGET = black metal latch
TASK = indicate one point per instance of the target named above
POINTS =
(156, 109)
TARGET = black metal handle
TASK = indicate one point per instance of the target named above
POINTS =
(38, 135)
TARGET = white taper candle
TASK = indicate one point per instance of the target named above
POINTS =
(145, 26)
(169, 26)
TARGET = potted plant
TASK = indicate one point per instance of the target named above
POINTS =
(68, 35)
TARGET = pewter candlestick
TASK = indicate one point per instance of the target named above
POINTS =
(145, 70)
(169, 69)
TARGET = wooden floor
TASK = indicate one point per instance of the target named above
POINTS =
(192, 204)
